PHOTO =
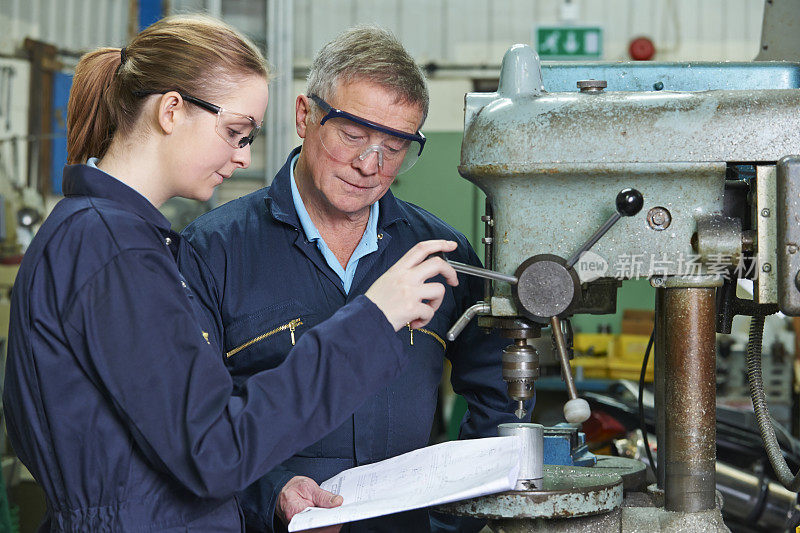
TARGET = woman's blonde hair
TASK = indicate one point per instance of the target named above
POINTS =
(192, 54)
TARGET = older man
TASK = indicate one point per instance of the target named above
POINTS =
(284, 258)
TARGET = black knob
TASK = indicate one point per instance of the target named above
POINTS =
(629, 202)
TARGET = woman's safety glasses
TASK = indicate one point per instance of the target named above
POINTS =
(348, 138)
(236, 129)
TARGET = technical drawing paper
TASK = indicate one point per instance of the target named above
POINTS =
(443, 473)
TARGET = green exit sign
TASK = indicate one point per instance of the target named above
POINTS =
(569, 42)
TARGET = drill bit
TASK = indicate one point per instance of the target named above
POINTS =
(521, 412)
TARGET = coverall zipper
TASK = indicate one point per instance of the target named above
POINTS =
(427, 332)
(291, 326)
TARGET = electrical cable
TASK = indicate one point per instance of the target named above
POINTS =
(782, 471)
(642, 424)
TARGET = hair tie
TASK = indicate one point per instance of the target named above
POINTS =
(123, 56)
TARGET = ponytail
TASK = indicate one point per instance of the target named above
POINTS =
(90, 124)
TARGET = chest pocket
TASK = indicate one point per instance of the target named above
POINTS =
(263, 339)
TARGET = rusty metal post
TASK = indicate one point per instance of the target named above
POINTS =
(133, 19)
(690, 400)
(43, 66)
(660, 381)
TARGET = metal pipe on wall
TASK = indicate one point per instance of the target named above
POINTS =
(279, 127)
(214, 8)
(689, 399)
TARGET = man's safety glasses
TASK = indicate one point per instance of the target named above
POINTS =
(236, 129)
(348, 138)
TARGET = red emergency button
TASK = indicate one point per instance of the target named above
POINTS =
(641, 49)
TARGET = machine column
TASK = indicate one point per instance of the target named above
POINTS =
(660, 382)
(689, 400)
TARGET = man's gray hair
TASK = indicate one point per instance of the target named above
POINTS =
(372, 54)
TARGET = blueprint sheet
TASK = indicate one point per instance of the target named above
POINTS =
(438, 474)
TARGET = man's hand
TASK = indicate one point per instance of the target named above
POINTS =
(402, 292)
(301, 492)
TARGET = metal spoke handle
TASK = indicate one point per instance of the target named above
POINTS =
(629, 202)
(576, 410)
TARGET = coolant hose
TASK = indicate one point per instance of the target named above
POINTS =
(754, 379)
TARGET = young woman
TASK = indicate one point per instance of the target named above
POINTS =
(116, 398)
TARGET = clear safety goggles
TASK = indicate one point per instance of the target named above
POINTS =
(349, 138)
(236, 129)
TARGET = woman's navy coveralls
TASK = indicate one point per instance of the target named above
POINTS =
(115, 399)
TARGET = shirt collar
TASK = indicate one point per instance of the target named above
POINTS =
(281, 201)
(85, 180)
(311, 231)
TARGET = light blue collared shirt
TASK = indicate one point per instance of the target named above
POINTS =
(367, 245)
(92, 162)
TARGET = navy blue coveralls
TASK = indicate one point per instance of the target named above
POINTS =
(118, 403)
(258, 273)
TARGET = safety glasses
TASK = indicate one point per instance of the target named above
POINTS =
(348, 138)
(236, 129)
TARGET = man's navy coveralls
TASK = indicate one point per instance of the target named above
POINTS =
(115, 398)
(264, 285)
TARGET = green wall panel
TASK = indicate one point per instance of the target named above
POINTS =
(435, 185)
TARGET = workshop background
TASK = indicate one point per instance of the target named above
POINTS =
(460, 44)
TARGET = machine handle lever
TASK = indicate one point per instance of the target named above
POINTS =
(629, 202)
(576, 410)
(477, 271)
